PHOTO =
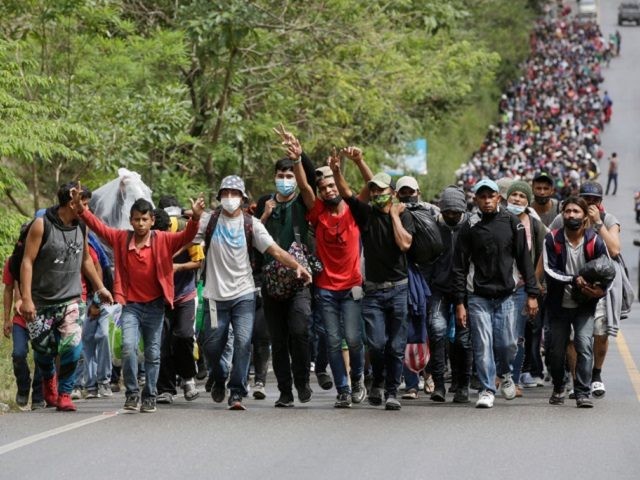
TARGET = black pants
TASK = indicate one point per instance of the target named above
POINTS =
(532, 343)
(260, 341)
(176, 349)
(288, 323)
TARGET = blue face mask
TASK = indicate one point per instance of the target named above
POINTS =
(285, 186)
(515, 209)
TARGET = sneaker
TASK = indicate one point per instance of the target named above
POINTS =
(358, 391)
(429, 385)
(235, 402)
(439, 393)
(259, 393)
(324, 380)
(572, 394)
(22, 401)
(557, 398)
(190, 390)
(218, 392)
(285, 400)
(527, 381)
(539, 381)
(76, 393)
(148, 405)
(50, 390)
(304, 393)
(164, 398)
(597, 389)
(584, 402)
(375, 396)
(38, 405)
(411, 394)
(104, 390)
(131, 403)
(507, 387)
(92, 394)
(65, 404)
(485, 399)
(343, 400)
(462, 395)
(392, 403)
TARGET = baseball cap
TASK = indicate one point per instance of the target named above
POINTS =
(486, 183)
(382, 180)
(323, 172)
(407, 181)
(591, 189)
(232, 182)
(543, 177)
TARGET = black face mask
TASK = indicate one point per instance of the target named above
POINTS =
(573, 223)
(542, 200)
(413, 199)
(452, 222)
(332, 202)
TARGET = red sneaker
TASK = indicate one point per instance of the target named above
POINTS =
(50, 390)
(65, 404)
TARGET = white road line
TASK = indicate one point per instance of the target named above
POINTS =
(56, 431)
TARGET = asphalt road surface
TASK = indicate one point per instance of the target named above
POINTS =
(520, 439)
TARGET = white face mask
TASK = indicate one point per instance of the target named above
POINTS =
(230, 204)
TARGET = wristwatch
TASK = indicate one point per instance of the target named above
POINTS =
(598, 226)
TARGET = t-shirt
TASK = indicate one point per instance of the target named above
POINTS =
(383, 259)
(228, 267)
(337, 247)
(575, 261)
(549, 216)
(7, 280)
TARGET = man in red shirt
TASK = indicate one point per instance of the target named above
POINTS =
(338, 287)
(143, 284)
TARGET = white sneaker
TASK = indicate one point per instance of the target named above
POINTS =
(485, 399)
(527, 381)
(76, 394)
(597, 389)
(507, 387)
(539, 381)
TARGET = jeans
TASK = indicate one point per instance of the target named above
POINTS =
(613, 178)
(386, 327)
(176, 348)
(95, 342)
(21, 366)
(411, 379)
(68, 336)
(493, 335)
(261, 343)
(560, 322)
(288, 322)
(342, 318)
(239, 313)
(146, 318)
(441, 319)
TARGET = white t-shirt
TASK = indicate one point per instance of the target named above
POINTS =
(228, 268)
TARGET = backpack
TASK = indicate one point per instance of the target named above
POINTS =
(15, 260)
(589, 247)
(427, 241)
(248, 233)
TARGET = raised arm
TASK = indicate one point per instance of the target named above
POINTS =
(356, 156)
(341, 182)
(294, 152)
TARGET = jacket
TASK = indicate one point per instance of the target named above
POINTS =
(163, 244)
(440, 272)
(555, 264)
(486, 248)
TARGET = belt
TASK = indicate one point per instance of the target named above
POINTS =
(384, 285)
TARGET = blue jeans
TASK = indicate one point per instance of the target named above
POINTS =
(146, 318)
(21, 366)
(240, 314)
(440, 321)
(386, 326)
(342, 318)
(560, 322)
(95, 342)
(493, 335)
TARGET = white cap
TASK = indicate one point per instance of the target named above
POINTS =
(407, 181)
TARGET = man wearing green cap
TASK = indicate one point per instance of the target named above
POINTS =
(387, 231)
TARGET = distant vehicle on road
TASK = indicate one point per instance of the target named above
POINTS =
(588, 10)
(629, 11)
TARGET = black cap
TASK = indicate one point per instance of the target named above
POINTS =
(543, 177)
(591, 189)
